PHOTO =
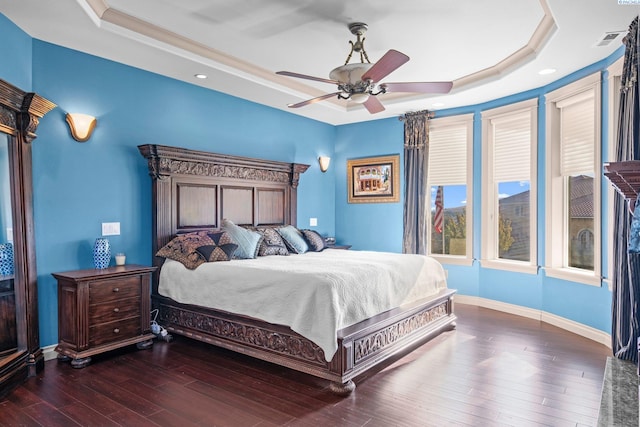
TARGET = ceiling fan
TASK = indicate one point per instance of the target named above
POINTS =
(360, 82)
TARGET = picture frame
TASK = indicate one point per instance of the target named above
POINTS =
(374, 179)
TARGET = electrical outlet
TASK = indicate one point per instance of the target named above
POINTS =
(313, 222)
(110, 228)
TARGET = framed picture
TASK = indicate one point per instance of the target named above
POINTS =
(373, 180)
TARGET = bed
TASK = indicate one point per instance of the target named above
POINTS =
(193, 191)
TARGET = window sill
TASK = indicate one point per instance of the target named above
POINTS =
(515, 266)
(574, 275)
(452, 259)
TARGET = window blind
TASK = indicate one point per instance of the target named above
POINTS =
(512, 147)
(577, 134)
(448, 155)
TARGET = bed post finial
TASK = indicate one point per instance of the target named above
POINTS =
(150, 152)
(298, 168)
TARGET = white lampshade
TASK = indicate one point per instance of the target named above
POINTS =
(324, 163)
(81, 126)
(359, 98)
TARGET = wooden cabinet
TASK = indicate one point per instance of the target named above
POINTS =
(20, 352)
(9, 336)
(625, 178)
(101, 310)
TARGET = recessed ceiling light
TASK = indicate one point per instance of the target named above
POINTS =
(547, 71)
(200, 76)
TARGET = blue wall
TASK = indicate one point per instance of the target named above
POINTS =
(364, 225)
(77, 186)
(15, 51)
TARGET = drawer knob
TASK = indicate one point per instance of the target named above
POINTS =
(115, 310)
(116, 331)
(116, 289)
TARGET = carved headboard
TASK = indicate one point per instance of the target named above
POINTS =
(195, 190)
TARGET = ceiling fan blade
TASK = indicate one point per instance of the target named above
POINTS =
(420, 87)
(313, 100)
(373, 105)
(304, 76)
(389, 62)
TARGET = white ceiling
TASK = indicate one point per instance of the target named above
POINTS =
(488, 48)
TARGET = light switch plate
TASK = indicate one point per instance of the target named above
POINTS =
(110, 228)
(313, 222)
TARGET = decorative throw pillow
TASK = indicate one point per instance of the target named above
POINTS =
(315, 240)
(248, 241)
(272, 243)
(222, 248)
(293, 239)
(183, 248)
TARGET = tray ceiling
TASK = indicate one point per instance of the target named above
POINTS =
(489, 49)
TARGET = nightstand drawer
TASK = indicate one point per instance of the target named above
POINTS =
(115, 310)
(114, 331)
(113, 289)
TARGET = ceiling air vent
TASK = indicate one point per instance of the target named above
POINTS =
(607, 38)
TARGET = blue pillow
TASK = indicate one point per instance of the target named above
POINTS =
(293, 239)
(248, 241)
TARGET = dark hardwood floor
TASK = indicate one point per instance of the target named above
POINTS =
(495, 369)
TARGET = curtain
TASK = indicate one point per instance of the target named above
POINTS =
(416, 156)
(626, 279)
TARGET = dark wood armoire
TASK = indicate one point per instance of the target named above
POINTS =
(20, 352)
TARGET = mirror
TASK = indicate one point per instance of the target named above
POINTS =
(20, 352)
(8, 340)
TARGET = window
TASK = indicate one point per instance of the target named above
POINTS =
(509, 187)
(449, 179)
(573, 183)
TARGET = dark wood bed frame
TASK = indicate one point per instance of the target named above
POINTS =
(194, 190)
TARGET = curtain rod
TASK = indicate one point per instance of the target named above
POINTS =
(427, 113)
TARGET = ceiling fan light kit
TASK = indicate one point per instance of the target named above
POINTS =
(359, 98)
(360, 82)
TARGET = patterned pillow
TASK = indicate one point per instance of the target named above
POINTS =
(293, 239)
(248, 241)
(222, 248)
(315, 240)
(272, 243)
(183, 248)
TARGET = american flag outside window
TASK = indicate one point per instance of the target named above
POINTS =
(438, 218)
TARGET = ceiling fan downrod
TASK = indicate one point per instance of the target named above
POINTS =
(358, 29)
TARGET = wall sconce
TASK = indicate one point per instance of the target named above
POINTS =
(324, 163)
(81, 126)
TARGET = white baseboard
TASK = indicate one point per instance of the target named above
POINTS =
(49, 352)
(552, 319)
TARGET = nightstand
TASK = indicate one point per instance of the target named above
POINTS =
(338, 247)
(101, 310)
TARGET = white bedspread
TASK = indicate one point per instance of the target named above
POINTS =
(315, 294)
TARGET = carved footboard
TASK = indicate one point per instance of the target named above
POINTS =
(360, 346)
